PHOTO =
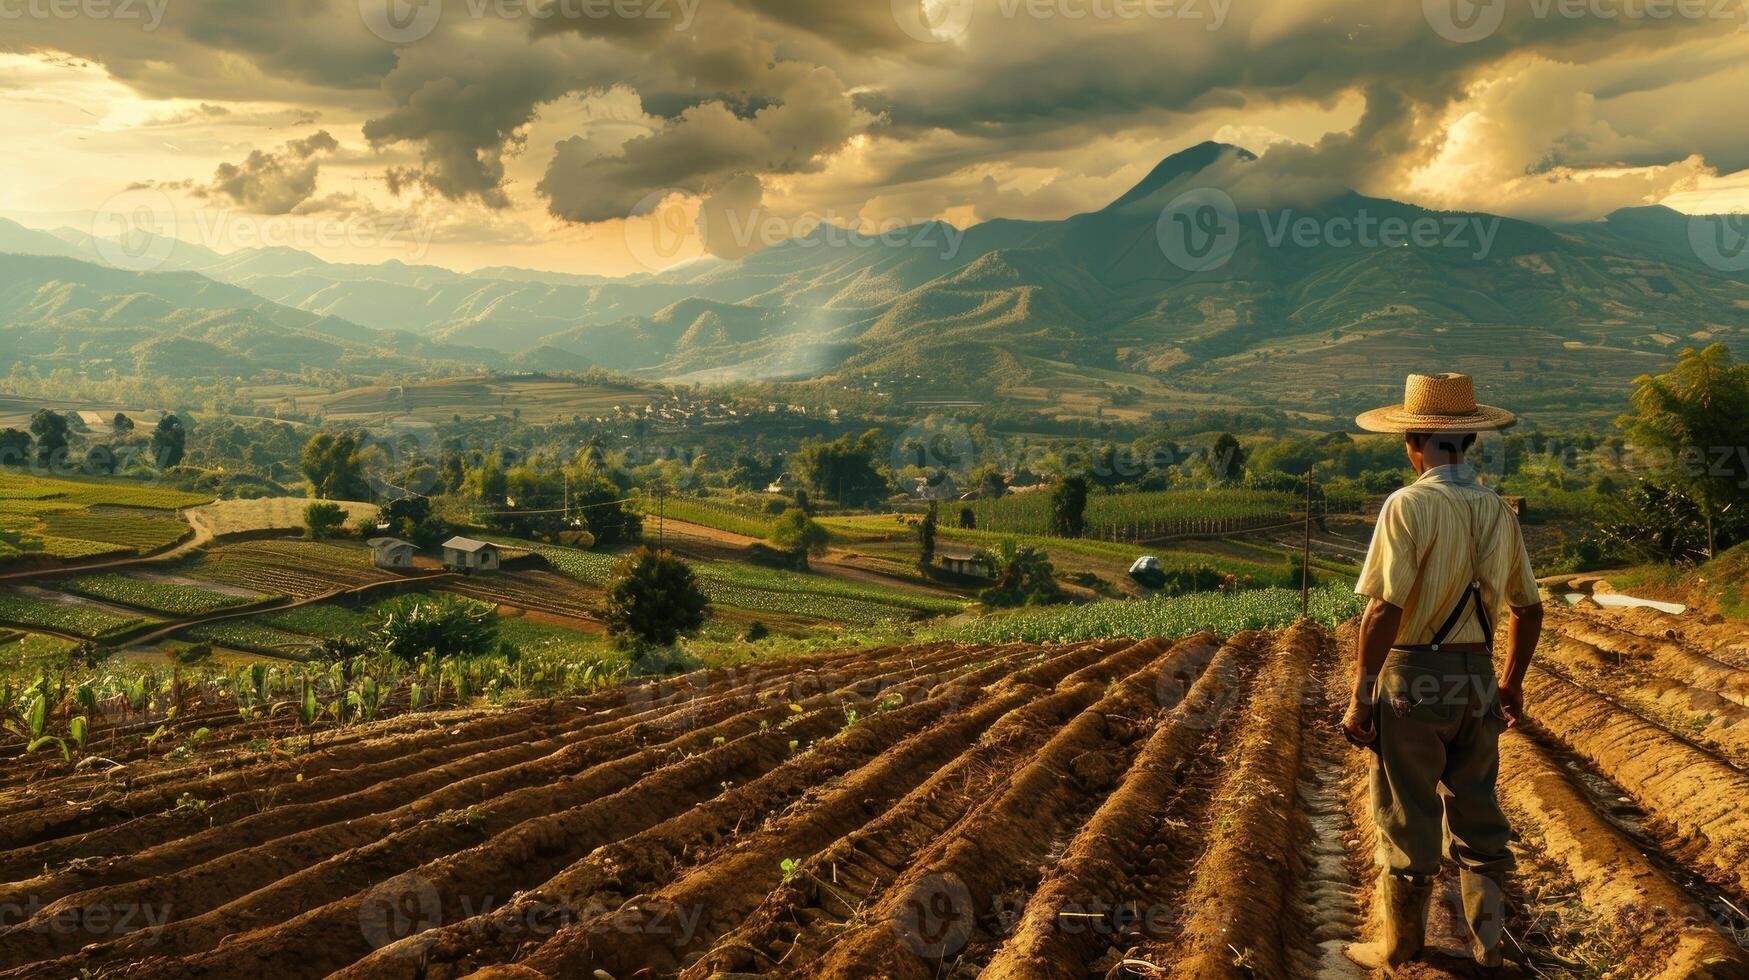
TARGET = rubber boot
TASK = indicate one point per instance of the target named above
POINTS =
(1485, 910)
(1403, 926)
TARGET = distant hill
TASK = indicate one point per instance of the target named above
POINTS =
(1062, 314)
(58, 311)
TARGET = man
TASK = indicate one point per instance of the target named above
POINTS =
(1446, 556)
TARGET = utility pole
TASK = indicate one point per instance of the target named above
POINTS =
(1306, 554)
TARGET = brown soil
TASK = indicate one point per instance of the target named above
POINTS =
(1156, 808)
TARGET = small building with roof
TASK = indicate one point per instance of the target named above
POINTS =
(468, 555)
(392, 553)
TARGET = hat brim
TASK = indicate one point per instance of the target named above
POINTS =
(1394, 418)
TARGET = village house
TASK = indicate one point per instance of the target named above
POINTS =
(963, 562)
(392, 553)
(468, 555)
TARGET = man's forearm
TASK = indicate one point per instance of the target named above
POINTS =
(1522, 636)
(1378, 633)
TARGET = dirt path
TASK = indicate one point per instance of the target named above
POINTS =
(708, 542)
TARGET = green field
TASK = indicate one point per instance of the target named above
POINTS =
(714, 513)
(753, 588)
(169, 598)
(66, 617)
(73, 519)
(1140, 516)
(1224, 613)
(536, 399)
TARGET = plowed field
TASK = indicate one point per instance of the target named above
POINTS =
(1167, 807)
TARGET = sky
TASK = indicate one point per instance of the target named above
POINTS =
(590, 136)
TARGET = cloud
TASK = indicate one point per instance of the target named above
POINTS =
(273, 183)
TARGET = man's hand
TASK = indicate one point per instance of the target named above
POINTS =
(1357, 723)
(1512, 703)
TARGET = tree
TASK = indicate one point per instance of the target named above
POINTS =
(798, 534)
(605, 514)
(653, 599)
(100, 460)
(926, 538)
(447, 626)
(321, 520)
(121, 423)
(50, 429)
(844, 469)
(332, 464)
(1227, 459)
(968, 518)
(14, 447)
(169, 441)
(1069, 507)
(1689, 422)
(1024, 577)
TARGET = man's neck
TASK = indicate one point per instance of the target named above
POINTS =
(1433, 461)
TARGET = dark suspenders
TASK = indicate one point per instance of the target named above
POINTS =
(1473, 592)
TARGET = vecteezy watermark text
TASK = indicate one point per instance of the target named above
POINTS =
(150, 13)
(936, 21)
(1200, 229)
(406, 21)
(1469, 21)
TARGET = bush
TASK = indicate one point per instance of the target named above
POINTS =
(194, 653)
(321, 520)
(653, 600)
(447, 626)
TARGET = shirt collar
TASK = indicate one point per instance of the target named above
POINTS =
(1461, 474)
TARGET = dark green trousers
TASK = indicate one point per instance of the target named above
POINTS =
(1439, 723)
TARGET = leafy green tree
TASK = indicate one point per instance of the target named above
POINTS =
(926, 538)
(1069, 507)
(51, 431)
(169, 441)
(605, 513)
(446, 626)
(799, 535)
(844, 469)
(1690, 424)
(100, 460)
(1227, 459)
(653, 599)
(14, 447)
(321, 520)
(1024, 577)
(968, 519)
(332, 464)
(121, 423)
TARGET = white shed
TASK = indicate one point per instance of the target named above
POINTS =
(468, 555)
(392, 553)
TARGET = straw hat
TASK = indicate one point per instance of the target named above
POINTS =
(1438, 403)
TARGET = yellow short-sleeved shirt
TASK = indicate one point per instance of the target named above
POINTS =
(1433, 538)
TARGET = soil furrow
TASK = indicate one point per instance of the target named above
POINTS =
(1238, 900)
(1094, 894)
(994, 853)
(933, 778)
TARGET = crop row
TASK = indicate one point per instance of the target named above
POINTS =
(1222, 612)
(711, 513)
(117, 494)
(1133, 516)
(169, 598)
(66, 617)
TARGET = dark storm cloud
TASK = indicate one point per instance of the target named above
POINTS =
(779, 88)
(273, 183)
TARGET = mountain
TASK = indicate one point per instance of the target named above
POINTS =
(1319, 307)
(57, 311)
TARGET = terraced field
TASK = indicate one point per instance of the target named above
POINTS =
(1111, 807)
